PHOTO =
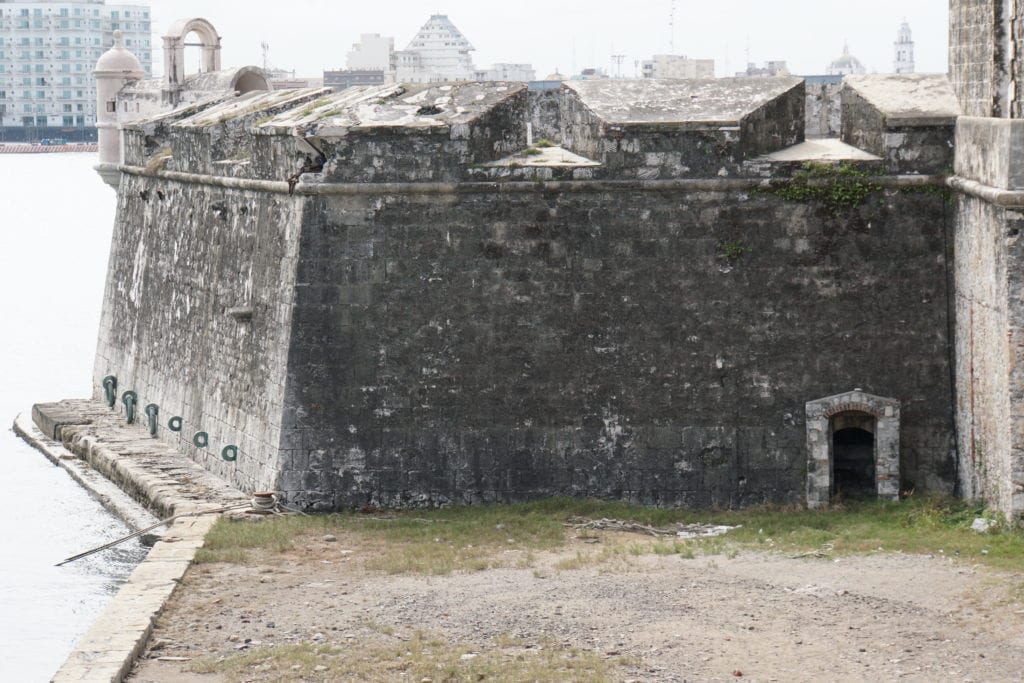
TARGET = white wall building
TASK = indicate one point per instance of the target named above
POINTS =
(373, 52)
(47, 52)
(770, 69)
(506, 72)
(903, 49)
(677, 66)
(439, 52)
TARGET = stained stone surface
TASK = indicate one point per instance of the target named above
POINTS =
(433, 320)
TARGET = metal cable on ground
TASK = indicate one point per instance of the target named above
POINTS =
(138, 533)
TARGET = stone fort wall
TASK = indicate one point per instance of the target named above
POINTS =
(655, 346)
(985, 57)
(986, 73)
(432, 316)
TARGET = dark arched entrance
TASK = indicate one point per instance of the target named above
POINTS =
(833, 452)
(853, 462)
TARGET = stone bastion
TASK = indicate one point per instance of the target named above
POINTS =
(654, 291)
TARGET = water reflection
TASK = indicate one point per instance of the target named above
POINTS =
(55, 223)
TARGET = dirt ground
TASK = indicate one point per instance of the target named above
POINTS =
(749, 616)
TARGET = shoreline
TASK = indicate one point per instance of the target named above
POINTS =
(85, 148)
(126, 470)
(111, 497)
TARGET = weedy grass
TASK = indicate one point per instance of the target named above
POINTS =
(422, 656)
(476, 538)
(159, 159)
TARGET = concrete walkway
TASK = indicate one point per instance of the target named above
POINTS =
(157, 476)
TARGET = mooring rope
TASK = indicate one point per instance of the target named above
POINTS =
(163, 522)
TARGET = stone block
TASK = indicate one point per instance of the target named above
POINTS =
(991, 151)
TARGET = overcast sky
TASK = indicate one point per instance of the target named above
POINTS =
(310, 35)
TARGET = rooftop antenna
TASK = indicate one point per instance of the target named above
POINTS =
(617, 61)
(672, 26)
(265, 46)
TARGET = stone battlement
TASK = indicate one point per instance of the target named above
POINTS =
(446, 133)
(593, 130)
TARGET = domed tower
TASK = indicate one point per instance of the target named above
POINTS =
(903, 48)
(845, 64)
(116, 68)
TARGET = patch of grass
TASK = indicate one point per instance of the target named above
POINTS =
(531, 152)
(422, 656)
(313, 106)
(578, 561)
(230, 540)
(544, 143)
(733, 251)
(918, 525)
(231, 555)
(476, 538)
(159, 160)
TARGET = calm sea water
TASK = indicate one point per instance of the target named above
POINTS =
(56, 217)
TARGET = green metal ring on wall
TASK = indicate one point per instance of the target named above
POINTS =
(152, 410)
(110, 390)
(201, 439)
(234, 453)
(129, 399)
(174, 424)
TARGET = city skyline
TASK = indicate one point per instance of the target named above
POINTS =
(575, 35)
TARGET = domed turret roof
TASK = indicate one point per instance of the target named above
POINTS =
(118, 59)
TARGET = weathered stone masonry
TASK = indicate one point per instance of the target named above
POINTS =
(986, 73)
(487, 346)
(434, 316)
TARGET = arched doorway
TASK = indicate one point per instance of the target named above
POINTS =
(853, 457)
(853, 448)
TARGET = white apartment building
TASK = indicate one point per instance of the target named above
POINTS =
(678, 66)
(373, 52)
(47, 52)
(506, 72)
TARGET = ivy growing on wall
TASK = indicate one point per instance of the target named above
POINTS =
(840, 188)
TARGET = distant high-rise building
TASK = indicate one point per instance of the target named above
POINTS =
(677, 66)
(373, 52)
(348, 78)
(770, 69)
(371, 61)
(506, 72)
(845, 64)
(439, 52)
(47, 52)
(589, 74)
(903, 62)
